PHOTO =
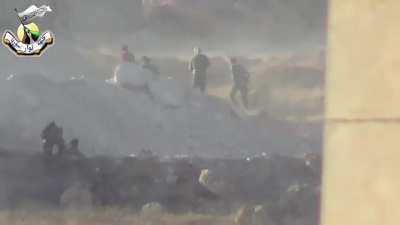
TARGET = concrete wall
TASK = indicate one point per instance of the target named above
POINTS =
(362, 139)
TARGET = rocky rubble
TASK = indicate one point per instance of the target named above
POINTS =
(277, 189)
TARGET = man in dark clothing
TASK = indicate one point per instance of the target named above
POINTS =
(147, 65)
(198, 66)
(73, 149)
(240, 78)
(52, 136)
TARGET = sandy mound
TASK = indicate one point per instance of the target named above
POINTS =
(114, 120)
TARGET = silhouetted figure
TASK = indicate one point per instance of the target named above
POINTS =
(52, 136)
(198, 66)
(240, 78)
(73, 149)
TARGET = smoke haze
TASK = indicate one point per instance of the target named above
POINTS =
(89, 35)
(177, 25)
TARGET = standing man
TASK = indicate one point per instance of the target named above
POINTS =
(126, 55)
(198, 66)
(241, 79)
(52, 136)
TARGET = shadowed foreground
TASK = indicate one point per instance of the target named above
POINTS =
(266, 189)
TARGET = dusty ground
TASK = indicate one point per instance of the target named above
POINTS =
(111, 216)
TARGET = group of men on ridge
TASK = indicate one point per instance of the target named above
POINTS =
(198, 66)
(52, 135)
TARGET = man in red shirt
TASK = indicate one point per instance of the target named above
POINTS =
(126, 55)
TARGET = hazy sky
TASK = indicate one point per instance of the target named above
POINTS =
(225, 24)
